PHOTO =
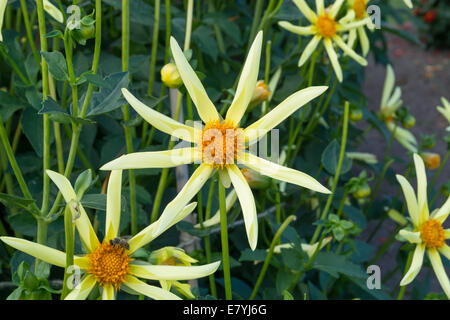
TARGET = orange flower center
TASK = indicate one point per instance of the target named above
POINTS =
(170, 261)
(432, 160)
(432, 234)
(220, 143)
(109, 264)
(326, 26)
(360, 8)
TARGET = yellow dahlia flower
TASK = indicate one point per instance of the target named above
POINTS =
(391, 100)
(48, 6)
(220, 144)
(325, 27)
(359, 8)
(108, 264)
(427, 234)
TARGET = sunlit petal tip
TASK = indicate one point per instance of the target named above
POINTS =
(416, 265)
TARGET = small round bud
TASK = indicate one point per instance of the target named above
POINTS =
(409, 121)
(261, 92)
(356, 114)
(255, 180)
(432, 160)
(170, 76)
(362, 191)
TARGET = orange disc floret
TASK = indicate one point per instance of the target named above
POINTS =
(326, 26)
(109, 264)
(221, 143)
(360, 8)
(432, 234)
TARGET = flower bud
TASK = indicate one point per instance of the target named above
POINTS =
(362, 191)
(356, 114)
(397, 217)
(255, 180)
(170, 76)
(432, 160)
(409, 121)
(171, 256)
(261, 92)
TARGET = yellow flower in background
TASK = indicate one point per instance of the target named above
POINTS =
(324, 26)
(261, 92)
(170, 76)
(172, 256)
(48, 6)
(428, 234)
(359, 7)
(432, 160)
(220, 144)
(110, 264)
(391, 100)
(445, 110)
(309, 249)
(368, 158)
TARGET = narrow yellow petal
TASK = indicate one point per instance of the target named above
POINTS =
(44, 253)
(113, 205)
(365, 44)
(152, 231)
(412, 237)
(335, 7)
(320, 7)
(282, 173)
(206, 109)
(445, 250)
(82, 221)
(303, 31)
(416, 265)
(247, 82)
(421, 188)
(408, 3)
(190, 189)
(350, 51)
(53, 11)
(291, 104)
(83, 262)
(229, 201)
(306, 10)
(442, 214)
(149, 291)
(333, 59)
(439, 270)
(224, 178)
(82, 290)
(349, 17)
(351, 38)
(309, 49)
(2, 14)
(247, 202)
(410, 198)
(108, 292)
(353, 25)
(154, 159)
(389, 83)
(160, 121)
(161, 272)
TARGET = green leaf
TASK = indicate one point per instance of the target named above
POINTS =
(15, 201)
(287, 295)
(56, 65)
(335, 264)
(83, 182)
(284, 280)
(330, 158)
(108, 99)
(24, 223)
(96, 80)
(54, 33)
(58, 114)
(249, 255)
(9, 104)
(94, 201)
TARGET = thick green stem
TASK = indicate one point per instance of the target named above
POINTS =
(224, 241)
(26, 20)
(275, 241)
(212, 282)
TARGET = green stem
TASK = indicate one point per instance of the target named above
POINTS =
(256, 19)
(224, 241)
(26, 19)
(70, 244)
(380, 180)
(437, 175)
(212, 282)
(337, 174)
(275, 241)
(125, 110)
(16, 169)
